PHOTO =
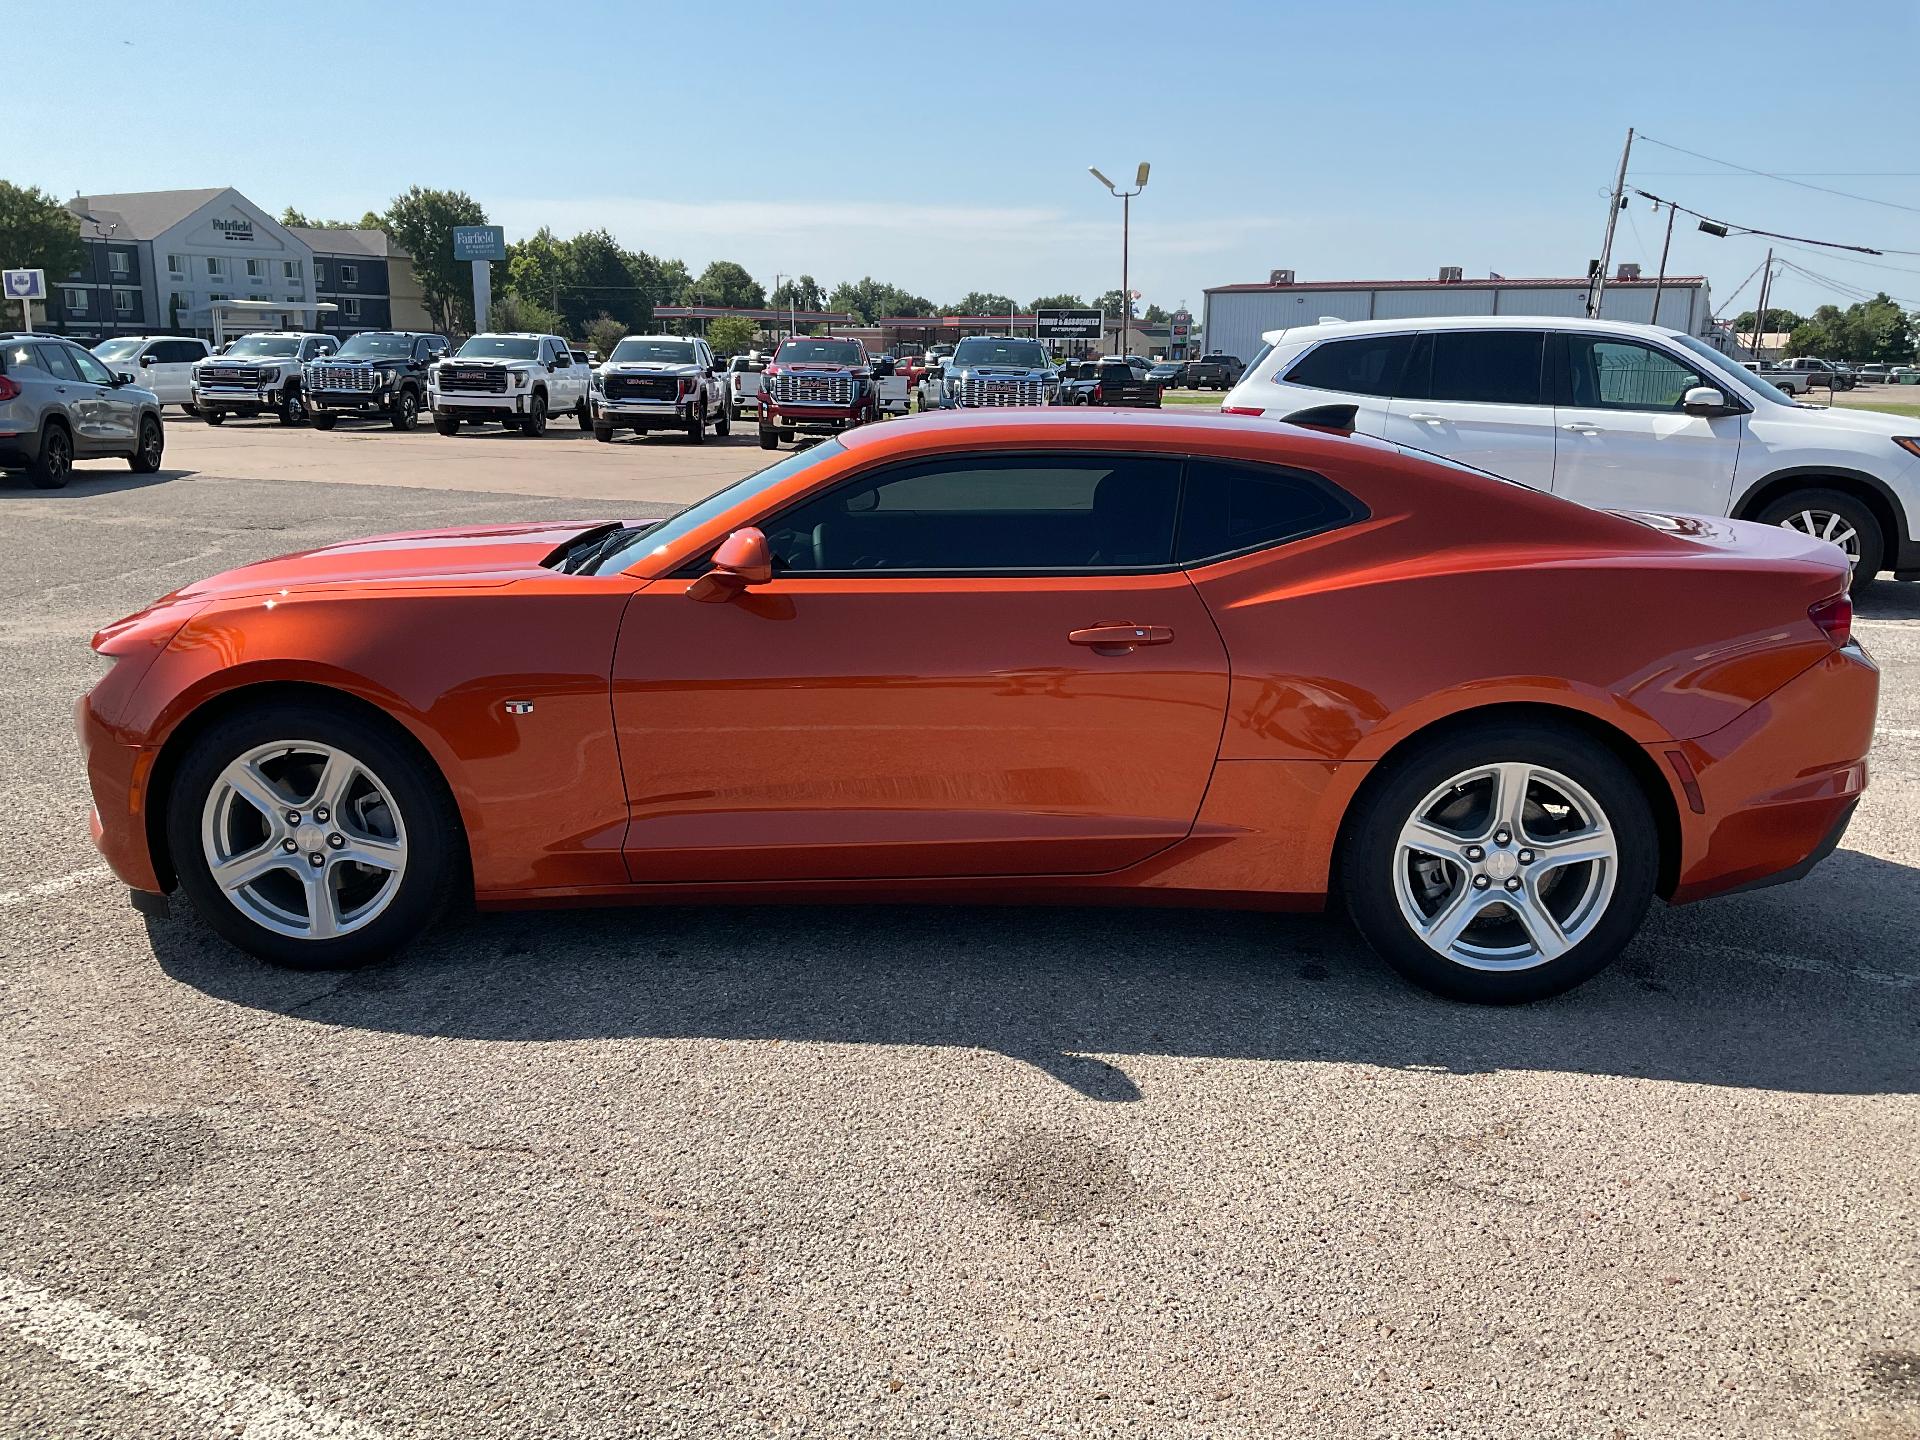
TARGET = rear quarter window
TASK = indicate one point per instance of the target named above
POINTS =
(1370, 365)
(1231, 507)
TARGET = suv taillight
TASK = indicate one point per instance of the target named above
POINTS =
(1834, 617)
(9, 389)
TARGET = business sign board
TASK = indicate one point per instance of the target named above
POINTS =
(1181, 324)
(479, 242)
(1067, 324)
(24, 284)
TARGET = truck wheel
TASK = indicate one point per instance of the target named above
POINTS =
(1839, 517)
(406, 410)
(447, 424)
(292, 408)
(724, 425)
(697, 425)
(535, 423)
(769, 438)
(323, 421)
(213, 417)
(788, 436)
(603, 433)
(583, 415)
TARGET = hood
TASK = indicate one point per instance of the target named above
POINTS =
(1004, 372)
(651, 367)
(1832, 419)
(490, 363)
(467, 558)
(815, 367)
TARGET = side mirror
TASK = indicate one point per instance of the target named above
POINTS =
(123, 377)
(1705, 400)
(146, 359)
(552, 365)
(743, 559)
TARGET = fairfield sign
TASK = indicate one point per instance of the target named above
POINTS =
(234, 229)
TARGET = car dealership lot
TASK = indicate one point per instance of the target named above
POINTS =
(985, 1172)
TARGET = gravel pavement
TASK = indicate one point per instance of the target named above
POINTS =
(914, 1171)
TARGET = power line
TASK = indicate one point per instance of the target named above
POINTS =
(1784, 179)
(1789, 174)
(1727, 226)
(1736, 290)
(1855, 291)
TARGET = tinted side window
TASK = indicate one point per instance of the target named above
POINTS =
(59, 360)
(18, 357)
(1229, 507)
(180, 352)
(1370, 366)
(1626, 375)
(1489, 367)
(1015, 512)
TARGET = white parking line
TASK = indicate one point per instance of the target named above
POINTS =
(54, 887)
(218, 1401)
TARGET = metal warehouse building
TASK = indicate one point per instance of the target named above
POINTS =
(1238, 315)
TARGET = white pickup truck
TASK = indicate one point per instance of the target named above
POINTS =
(891, 392)
(258, 374)
(743, 384)
(1794, 382)
(517, 379)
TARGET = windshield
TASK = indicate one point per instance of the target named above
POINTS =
(667, 352)
(264, 347)
(501, 347)
(658, 537)
(1026, 354)
(368, 343)
(820, 352)
(118, 349)
(1746, 377)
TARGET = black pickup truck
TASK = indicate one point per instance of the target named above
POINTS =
(1214, 372)
(1107, 382)
(377, 372)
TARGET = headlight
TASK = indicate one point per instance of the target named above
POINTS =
(520, 378)
(594, 380)
(271, 372)
(385, 374)
(1908, 442)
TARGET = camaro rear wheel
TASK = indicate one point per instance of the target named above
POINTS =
(310, 837)
(1502, 865)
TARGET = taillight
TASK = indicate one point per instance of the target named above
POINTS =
(1097, 393)
(1834, 617)
(9, 389)
(1243, 410)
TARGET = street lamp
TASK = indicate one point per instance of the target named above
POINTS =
(1126, 208)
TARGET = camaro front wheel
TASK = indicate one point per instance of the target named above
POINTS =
(1502, 865)
(311, 837)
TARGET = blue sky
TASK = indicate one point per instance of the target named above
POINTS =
(944, 146)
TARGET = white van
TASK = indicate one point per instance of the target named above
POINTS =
(1620, 416)
(160, 363)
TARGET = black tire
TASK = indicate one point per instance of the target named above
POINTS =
(189, 410)
(769, 438)
(214, 417)
(153, 446)
(1872, 544)
(582, 414)
(723, 426)
(788, 436)
(323, 421)
(405, 411)
(436, 854)
(603, 433)
(1368, 857)
(534, 423)
(292, 405)
(447, 424)
(508, 423)
(52, 467)
(697, 425)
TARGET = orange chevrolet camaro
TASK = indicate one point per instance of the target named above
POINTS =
(1023, 655)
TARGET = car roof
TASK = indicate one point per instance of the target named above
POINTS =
(1309, 330)
(1068, 425)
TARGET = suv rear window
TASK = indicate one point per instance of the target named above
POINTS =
(1370, 365)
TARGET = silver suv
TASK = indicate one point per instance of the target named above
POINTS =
(59, 404)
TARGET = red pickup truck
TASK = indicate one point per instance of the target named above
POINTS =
(816, 385)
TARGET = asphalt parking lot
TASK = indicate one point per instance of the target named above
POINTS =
(909, 1171)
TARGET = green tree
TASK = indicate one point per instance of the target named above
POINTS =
(294, 218)
(422, 221)
(537, 265)
(513, 311)
(726, 283)
(1155, 316)
(1778, 321)
(869, 300)
(1876, 329)
(1059, 302)
(37, 232)
(1113, 303)
(673, 281)
(984, 302)
(603, 333)
(802, 294)
(731, 334)
(599, 277)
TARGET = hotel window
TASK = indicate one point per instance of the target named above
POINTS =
(256, 269)
(290, 269)
(75, 301)
(117, 262)
(216, 267)
(123, 304)
(350, 307)
(349, 274)
(177, 267)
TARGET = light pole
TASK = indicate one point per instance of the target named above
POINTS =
(1126, 216)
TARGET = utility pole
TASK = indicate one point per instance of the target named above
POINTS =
(1599, 285)
(1661, 283)
(1126, 215)
(1760, 315)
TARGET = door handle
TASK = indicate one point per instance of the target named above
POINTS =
(1119, 638)
(1426, 418)
(1583, 427)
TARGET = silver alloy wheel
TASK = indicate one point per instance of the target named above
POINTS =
(304, 839)
(151, 442)
(1826, 525)
(1505, 867)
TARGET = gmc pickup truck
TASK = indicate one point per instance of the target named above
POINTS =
(377, 372)
(519, 379)
(660, 382)
(816, 385)
(1107, 382)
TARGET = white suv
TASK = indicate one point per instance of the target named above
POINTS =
(1614, 415)
(160, 363)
